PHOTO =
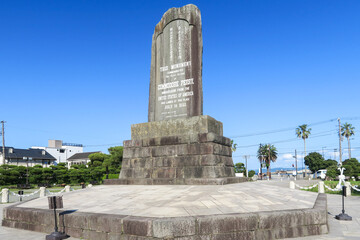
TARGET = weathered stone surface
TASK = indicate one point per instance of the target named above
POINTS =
(176, 65)
(174, 227)
(260, 225)
(138, 226)
(175, 127)
(227, 223)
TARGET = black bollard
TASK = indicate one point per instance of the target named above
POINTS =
(343, 215)
(21, 192)
(54, 203)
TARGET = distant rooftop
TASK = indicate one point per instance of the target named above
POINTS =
(36, 154)
(72, 144)
(80, 156)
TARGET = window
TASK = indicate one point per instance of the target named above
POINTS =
(62, 150)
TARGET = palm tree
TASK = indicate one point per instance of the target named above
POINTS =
(347, 130)
(303, 132)
(266, 154)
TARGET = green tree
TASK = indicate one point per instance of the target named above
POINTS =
(332, 171)
(352, 167)
(47, 176)
(251, 173)
(315, 161)
(267, 153)
(97, 159)
(347, 130)
(328, 163)
(240, 168)
(116, 156)
(35, 174)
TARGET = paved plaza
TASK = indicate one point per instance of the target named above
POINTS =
(174, 201)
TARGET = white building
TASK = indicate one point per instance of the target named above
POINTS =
(62, 151)
(26, 157)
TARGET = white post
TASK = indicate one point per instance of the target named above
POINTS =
(292, 185)
(42, 191)
(321, 187)
(348, 189)
(5, 195)
(67, 188)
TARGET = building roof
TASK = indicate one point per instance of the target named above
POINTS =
(81, 156)
(35, 154)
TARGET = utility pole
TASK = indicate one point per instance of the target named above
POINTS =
(3, 138)
(323, 152)
(340, 159)
(295, 164)
(246, 158)
(261, 162)
(269, 177)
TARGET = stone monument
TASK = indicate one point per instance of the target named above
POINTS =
(178, 145)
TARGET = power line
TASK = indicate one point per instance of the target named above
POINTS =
(281, 130)
(288, 140)
(102, 145)
(290, 128)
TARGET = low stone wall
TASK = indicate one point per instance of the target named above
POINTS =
(259, 225)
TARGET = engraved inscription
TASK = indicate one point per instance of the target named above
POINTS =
(176, 66)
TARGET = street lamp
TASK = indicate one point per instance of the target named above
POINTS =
(27, 169)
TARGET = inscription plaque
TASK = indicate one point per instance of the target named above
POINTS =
(176, 65)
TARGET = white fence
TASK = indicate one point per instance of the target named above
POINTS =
(9, 196)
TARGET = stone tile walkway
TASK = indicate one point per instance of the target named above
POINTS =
(180, 200)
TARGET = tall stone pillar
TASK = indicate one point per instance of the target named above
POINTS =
(178, 144)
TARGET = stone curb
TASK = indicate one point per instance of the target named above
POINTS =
(259, 225)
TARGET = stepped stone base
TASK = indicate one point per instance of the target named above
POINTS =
(181, 151)
(237, 226)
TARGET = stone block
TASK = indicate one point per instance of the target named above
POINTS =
(163, 161)
(163, 151)
(205, 181)
(141, 163)
(125, 162)
(139, 181)
(105, 222)
(243, 235)
(88, 234)
(315, 216)
(281, 219)
(132, 143)
(212, 137)
(222, 150)
(226, 223)
(185, 161)
(212, 160)
(176, 127)
(137, 226)
(78, 220)
(163, 173)
(173, 227)
(74, 232)
(321, 202)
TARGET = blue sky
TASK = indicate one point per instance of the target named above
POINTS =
(80, 70)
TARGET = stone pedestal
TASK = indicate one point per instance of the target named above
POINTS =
(178, 151)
